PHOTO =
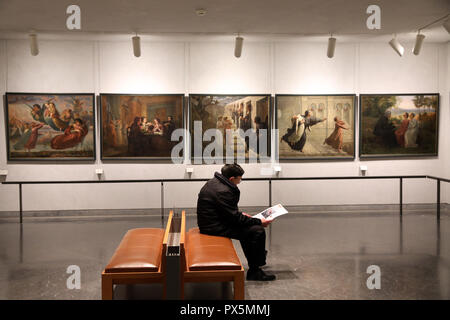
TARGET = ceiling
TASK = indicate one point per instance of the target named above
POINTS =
(275, 19)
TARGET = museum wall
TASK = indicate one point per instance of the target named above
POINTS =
(210, 67)
(446, 128)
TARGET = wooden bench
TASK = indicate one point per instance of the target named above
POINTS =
(208, 258)
(140, 258)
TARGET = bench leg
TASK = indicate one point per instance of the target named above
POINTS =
(183, 283)
(107, 288)
(164, 293)
(239, 290)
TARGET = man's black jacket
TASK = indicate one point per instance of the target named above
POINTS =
(217, 207)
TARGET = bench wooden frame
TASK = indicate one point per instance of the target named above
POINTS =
(236, 276)
(109, 279)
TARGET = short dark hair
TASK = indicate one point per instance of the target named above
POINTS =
(232, 170)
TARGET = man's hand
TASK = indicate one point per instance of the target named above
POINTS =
(265, 222)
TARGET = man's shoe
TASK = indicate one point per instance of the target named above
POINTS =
(259, 275)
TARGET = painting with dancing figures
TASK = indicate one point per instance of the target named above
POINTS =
(50, 126)
(139, 126)
(240, 125)
(315, 126)
(401, 125)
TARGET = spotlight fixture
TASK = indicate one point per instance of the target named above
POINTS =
(397, 46)
(421, 37)
(238, 46)
(136, 46)
(331, 46)
(446, 25)
(418, 44)
(34, 48)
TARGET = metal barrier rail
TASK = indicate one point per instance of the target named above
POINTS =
(162, 181)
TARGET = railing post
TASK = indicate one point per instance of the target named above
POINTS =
(401, 234)
(438, 200)
(20, 202)
(270, 192)
(270, 204)
(401, 196)
(162, 200)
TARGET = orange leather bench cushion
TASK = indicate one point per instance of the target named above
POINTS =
(139, 251)
(205, 252)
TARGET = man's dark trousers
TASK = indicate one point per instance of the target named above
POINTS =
(253, 242)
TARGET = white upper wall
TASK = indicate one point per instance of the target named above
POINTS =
(160, 69)
(61, 66)
(305, 68)
(214, 69)
(210, 67)
(381, 70)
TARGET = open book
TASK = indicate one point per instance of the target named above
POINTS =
(271, 213)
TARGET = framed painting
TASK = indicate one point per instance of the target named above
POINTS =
(229, 128)
(50, 126)
(315, 127)
(398, 125)
(140, 126)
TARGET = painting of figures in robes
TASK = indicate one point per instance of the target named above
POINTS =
(228, 128)
(50, 126)
(315, 126)
(139, 126)
(404, 125)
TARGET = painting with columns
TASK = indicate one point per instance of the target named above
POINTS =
(315, 126)
(240, 124)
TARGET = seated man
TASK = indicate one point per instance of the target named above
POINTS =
(218, 215)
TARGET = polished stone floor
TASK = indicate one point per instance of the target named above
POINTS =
(314, 256)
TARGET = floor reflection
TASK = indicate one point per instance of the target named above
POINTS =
(315, 256)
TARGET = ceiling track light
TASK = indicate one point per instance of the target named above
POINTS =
(238, 46)
(397, 46)
(136, 46)
(331, 46)
(418, 45)
(446, 24)
(34, 48)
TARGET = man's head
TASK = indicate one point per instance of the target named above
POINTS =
(233, 172)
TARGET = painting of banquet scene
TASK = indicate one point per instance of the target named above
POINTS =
(399, 125)
(50, 126)
(243, 122)
(315, 126)
(139, 126)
